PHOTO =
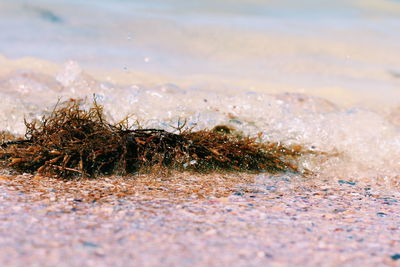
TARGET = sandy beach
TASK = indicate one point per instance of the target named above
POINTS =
(186, 220)
(312, 87)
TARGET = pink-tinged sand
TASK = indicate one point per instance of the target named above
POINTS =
(161, 222)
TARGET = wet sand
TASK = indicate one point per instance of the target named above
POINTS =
(202, 220)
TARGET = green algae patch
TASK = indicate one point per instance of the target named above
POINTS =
(76, 141)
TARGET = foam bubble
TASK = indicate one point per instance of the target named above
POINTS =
(359, 143)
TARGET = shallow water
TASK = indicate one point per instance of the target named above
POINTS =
(321, 74)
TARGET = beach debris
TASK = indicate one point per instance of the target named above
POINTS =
(77, 141)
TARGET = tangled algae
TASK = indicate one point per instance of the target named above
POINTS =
(73, 141)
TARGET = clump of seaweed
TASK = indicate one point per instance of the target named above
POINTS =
(73, 141)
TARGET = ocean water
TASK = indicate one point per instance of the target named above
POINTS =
(323, 74)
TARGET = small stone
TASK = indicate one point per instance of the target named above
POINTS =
(346, 182)
(271, 188)
(395, 256)
(90, 244)
(381, 214)
(339, 210)
(257, 192)
(262, 254)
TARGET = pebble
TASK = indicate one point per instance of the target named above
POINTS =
(90, 244)
(395, 256)
(346, 182)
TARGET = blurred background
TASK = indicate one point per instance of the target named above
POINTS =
(339, 49)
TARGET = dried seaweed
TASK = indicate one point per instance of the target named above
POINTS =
(74, 141)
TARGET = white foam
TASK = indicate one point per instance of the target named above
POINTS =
(360, 143)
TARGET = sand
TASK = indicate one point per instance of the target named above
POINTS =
(196, 220)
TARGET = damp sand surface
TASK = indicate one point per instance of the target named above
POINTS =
(196, 220)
